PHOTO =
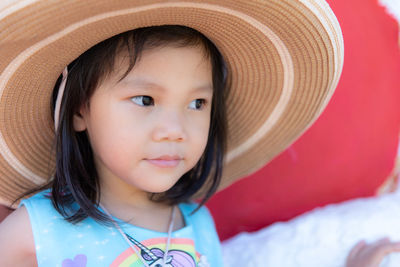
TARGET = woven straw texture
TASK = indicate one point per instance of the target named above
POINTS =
(284, 61)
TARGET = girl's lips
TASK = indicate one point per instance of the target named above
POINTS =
(165, 161)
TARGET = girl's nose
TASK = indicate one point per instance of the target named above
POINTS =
(170, 127)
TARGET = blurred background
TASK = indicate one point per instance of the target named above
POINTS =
(350, 151)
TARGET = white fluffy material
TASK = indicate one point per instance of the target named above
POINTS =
(392, 7)
(322, 237)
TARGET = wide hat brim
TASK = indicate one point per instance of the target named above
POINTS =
(284, 59)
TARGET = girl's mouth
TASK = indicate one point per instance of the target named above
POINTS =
(165, 161)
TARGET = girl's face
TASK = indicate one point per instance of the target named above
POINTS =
(150, 128)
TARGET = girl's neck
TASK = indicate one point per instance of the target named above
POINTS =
(133, 206)
(136, 203)
(154, 217)
(138, 210)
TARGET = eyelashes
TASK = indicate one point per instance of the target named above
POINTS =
(145, 101)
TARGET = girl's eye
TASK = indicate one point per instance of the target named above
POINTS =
(143, 100)
(197, 104)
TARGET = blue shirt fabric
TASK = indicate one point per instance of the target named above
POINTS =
(89, 243)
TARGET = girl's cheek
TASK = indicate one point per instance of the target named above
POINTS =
(201, 129)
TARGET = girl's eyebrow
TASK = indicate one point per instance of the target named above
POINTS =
(144, 83)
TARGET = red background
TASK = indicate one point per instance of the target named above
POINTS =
(349, 151)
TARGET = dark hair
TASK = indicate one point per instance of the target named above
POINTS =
(76, 178)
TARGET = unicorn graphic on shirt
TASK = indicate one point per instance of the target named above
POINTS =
(155, 256)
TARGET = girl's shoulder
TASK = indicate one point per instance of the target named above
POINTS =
(42, 197)
(16, 242)
(40, 206)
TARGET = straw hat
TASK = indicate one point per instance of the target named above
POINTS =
(284, 57)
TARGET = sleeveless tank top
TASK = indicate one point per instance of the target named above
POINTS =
(89, 243)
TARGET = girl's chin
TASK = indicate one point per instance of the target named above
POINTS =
(159, 185)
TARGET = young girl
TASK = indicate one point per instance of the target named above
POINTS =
(135, 128)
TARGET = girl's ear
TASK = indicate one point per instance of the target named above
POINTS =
(79, 122)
